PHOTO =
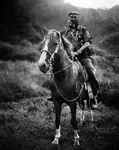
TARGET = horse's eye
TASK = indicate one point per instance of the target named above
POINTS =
(55, 43)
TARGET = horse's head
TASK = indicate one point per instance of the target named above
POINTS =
(50, 46)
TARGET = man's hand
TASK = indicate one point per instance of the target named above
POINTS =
(74, 54)
(79, 51)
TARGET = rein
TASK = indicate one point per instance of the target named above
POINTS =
(52, 58)
(52, 74)
(68, 100)
(50, 62)
(63, 69)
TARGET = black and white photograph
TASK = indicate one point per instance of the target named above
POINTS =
(59, 75)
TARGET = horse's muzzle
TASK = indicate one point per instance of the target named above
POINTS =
(43, 67)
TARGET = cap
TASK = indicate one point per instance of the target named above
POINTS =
(73, 13)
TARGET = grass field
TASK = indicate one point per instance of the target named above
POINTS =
(27, 118)
(29, 125)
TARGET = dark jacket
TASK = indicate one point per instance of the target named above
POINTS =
(78, 36)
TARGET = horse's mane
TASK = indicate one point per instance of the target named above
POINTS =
(67, 45)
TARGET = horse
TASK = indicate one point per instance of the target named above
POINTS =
(67, 78)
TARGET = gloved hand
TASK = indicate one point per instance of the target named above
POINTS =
(74, 54)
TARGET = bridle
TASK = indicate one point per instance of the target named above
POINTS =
(50, 70)
(51, 60)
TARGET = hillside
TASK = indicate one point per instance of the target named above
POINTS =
(25, 19)
(23, 30)
(111, 44)
(27, 119)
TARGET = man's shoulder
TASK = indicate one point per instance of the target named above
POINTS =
(66, 29)
(81, 27)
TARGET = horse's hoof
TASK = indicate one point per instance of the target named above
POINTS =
(56, 141)
(76, 143)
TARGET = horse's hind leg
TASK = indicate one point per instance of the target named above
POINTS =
(91, 116)
(57, 121)
(74, 123)
(82, 119)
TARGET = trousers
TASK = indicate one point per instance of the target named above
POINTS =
(87, 63)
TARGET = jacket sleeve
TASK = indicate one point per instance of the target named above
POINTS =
(62, 32)
(86, 36)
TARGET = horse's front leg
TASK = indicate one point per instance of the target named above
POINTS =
(74, 123)
(57, 122)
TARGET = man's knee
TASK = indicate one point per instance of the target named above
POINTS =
(87, 63)
(91, 77)
(90, 72)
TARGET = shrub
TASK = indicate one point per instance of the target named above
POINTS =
(20, 80)
(109, 94)
(24, 51)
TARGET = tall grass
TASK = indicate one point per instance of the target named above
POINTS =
(107, 69)
(22, 51)
(20, 79)
(29, 123)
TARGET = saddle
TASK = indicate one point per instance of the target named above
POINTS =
(82, 71)
(87, 84)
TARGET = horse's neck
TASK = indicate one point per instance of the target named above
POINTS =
(61, 62)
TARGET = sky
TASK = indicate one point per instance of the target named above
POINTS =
(93, 3)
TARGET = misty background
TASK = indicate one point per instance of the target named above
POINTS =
(25, 18)
(26, 117)
(21, 31)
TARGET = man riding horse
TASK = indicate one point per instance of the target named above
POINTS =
(81, 40)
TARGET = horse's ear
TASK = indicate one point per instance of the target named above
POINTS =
(61, 33)
(45, 30)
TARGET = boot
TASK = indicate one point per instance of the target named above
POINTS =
(92, 96)
(94, 103)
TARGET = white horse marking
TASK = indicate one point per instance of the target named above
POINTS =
(76, 138)
(44, 53)
(57, 136)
